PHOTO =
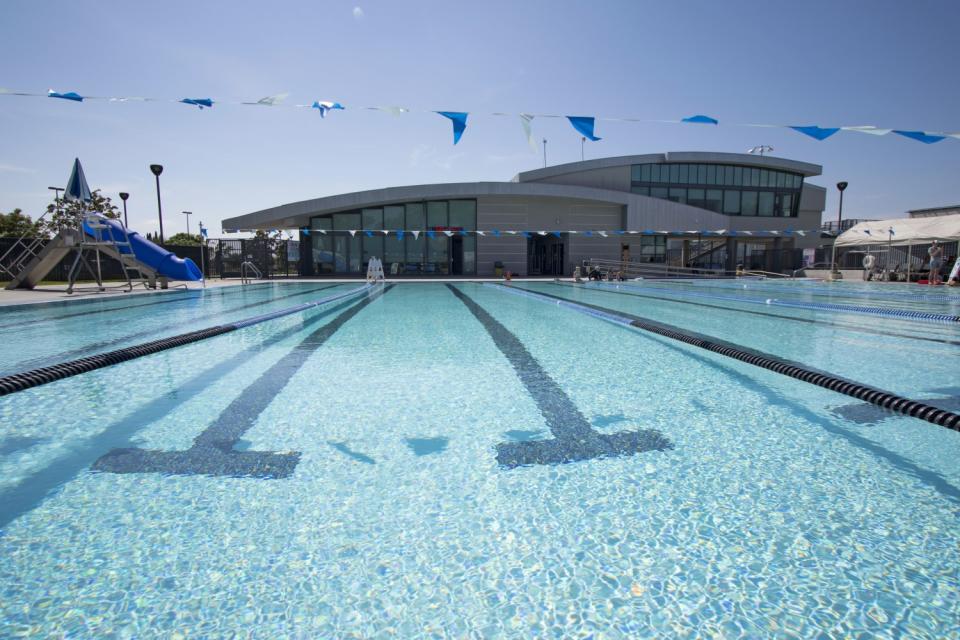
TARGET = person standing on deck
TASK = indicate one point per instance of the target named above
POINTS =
(936, 252)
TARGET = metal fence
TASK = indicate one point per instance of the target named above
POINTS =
(274, 258)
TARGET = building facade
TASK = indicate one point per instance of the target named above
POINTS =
(653, 208)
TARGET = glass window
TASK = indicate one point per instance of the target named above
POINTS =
(797, 182)
(674, 173)
(437, 254)
(658, 192)
(644, 191)
(415, 249)
(322, 245)
(654, 173)
(684, 174)
(738, 176)
(711, 174)
(416, 217)
(714, 200)
(645, 173)
(781, 179)
(701, 174)
(677, 195)
(766, 178)
(393, 252)
(731, 202)
(346, 221)
(748, 203)
(728, 176)
(393, 218)
(373, 248)
(372, 218)
(635, 172)
(765, 207)
(787, 204)
(463, 214)
(470, 255)
(436, 215)
(754, 177)
(695, 198)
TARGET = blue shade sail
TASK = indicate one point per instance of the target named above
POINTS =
(77, 189)
(701, 120)
(198, 102)
(919, 136)
(818, 133)
(459, 120)
(325, 105)
(584, 125)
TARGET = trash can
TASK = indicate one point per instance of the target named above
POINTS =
(498, 269)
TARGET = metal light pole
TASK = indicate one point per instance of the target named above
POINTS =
(188, 214)
(157, 169)
(56, 197)
(583, 139)
(203, 255)
(544, 153)
(124, 196)
(834, 274)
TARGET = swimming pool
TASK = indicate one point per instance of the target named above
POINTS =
(451, 460)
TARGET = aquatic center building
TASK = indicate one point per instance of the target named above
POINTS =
(682, 207)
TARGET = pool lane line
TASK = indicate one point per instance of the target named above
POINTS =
(213, 452)
(890, 295)
(841, 326)
(36, 377)
(574, 438)
(757, 358)
(814, 306)
(43, 361)
(27, 494)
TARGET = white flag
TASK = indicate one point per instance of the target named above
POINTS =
(353, 232)
(448, 233)
(602, 233)
(481, 233)
(416, 234)
(525, 119)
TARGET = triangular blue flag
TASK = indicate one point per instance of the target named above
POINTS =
(305, 231)
(198, 102)
(463, 232)
(588, 233)
(584, 124)
(495, 232)
(324, 106)
(459, 120)
(77, 189)
(369, 233)
(788, 231)
(556, 233)
(919, 136)
(69, 95)
(525, 234)
(819, 133)
(203, 232)
(701, 120)
(399, 234)
(430, 234)
(619, 232)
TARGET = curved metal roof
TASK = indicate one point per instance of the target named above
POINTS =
(297, 214)
(705, 157)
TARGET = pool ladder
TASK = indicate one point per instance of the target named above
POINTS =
(246, 268)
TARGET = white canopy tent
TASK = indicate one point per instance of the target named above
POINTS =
(906, 231)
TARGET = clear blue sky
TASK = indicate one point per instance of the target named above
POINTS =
(885, 63)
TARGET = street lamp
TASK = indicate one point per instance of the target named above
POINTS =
(56, 197)
(124, 196)
(834, 274)
(583, 139)
(544, 153)
(188, 214)
(157, 169)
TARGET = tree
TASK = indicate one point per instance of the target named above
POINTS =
(70, 212)
(184, 239)
(17, 224)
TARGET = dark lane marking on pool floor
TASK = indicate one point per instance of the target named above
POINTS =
(574, 439)
(46, 361)
(213, 451)
(879, 332)
(29, 493)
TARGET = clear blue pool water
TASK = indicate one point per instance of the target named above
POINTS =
(751, 505)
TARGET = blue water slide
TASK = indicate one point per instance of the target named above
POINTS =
(164, 262)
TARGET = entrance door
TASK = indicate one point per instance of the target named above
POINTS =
(545, 256)
(456, 255)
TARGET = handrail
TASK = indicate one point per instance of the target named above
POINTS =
(23, 258)
(246, 266)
